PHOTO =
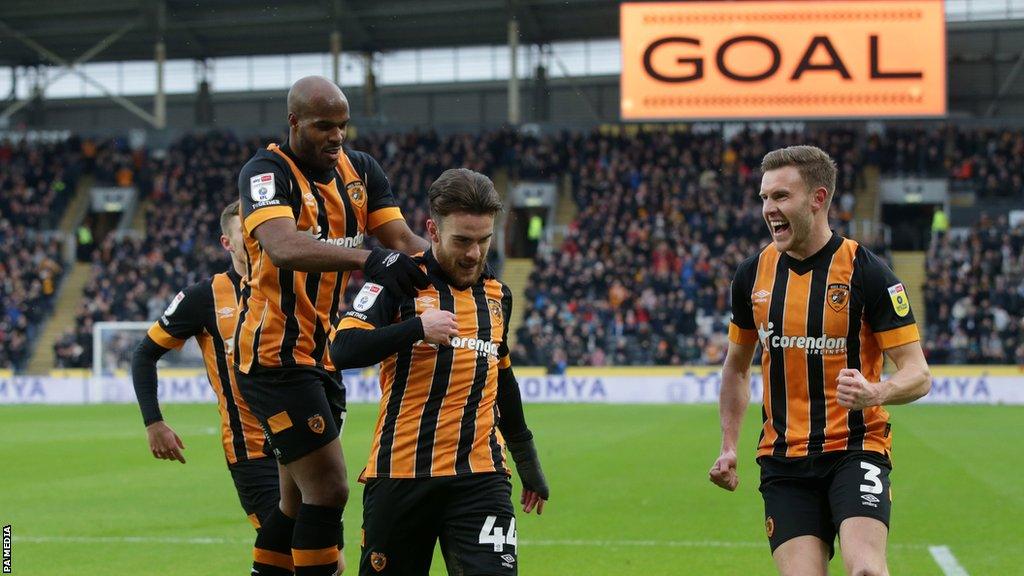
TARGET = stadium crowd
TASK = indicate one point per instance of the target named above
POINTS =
(134, 277)
(664, 219)
(36, 182)
(974, 295)
(643, 275)
(991, 161)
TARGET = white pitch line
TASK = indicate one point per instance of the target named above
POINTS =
(947, 562)
(646, 543)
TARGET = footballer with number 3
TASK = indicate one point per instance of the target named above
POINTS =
(450, 403)
(825, 310)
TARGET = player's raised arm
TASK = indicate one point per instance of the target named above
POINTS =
(293, 250)
(384, 219)
(889, 314)
(397, 235)
(911, 381)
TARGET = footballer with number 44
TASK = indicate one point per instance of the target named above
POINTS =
(825, 310)
(450, 403)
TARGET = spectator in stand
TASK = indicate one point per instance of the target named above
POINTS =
(664, 219)
(36, 182)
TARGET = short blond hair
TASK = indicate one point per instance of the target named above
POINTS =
(817, 169)
(229, 212)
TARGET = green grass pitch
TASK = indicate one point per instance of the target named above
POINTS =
(629, 493)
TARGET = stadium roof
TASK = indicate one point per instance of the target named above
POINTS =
(217, 28)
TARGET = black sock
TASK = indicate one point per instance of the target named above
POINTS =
(315, 540)
(272, 554)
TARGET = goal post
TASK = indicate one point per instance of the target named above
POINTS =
(114, 342)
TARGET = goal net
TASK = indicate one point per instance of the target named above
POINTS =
(114, 342)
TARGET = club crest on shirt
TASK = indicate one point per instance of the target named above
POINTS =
(838, 296)
(900, 302)
(496, 313)
(356, 193)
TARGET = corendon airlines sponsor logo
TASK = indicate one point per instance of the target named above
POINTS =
(823, 344)
(345, 242)
(482, 347)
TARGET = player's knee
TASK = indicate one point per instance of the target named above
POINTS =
(329, 493)
(868, 570)
(290, 505)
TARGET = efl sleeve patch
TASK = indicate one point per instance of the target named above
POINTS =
(367, 296)
(261, 187)
(174, 304)
(900, 302)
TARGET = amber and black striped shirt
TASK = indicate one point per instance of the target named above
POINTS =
(287, 315)
(438, 410)
(840, 308)
(208, 311)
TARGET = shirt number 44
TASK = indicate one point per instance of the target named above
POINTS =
(495, 535)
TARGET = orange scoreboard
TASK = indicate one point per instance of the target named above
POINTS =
(783, 59)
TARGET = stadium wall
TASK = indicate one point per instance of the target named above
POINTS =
(981, 57)
(696, 385)
(445, 107)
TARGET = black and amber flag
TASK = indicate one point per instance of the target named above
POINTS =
(208, 311)
(438, 410)
(840, 308)
(287, 315)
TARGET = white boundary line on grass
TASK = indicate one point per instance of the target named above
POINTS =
(947, 562)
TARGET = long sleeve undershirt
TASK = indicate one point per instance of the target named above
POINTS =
(358, 348)
(144, 378)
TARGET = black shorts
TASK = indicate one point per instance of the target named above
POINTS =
(300, 409)
(258, 489)
(472, 516)
(812, 495)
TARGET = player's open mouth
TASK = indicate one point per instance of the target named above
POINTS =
(333, 152)
(779, 227)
